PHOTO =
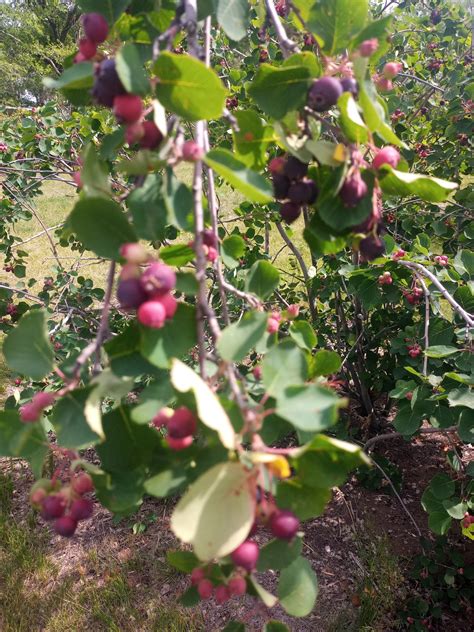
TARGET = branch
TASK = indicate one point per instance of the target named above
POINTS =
(427, 321)
(286, 44)
(423, 81)
(399, 435)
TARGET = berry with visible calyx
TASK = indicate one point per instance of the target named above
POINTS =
(353, 190)
(134, 253)
(209, 238)
(303, 192)
(96, 27)
(191, 151)
(81, 509)
(182, 424)
(294, 169)
(18, 381)
(82, 484)
(179, 444)
(284, 525)
(29, 413)
(277, 165)
(324, 93)
(53, 506)
(257, 372)
(222, 594)
(196, 575)
(386, 156)
(368, 47)
(414, 351)
(65, 526)
(371, 247)
(349, 84)
(152, 314)
(131, 294)
(169, 303)
(205, 588)
(158, 279)
(237, 586)
(128, 108)
(152, 136)
(290, 212)
(273, 325)
(87, 48)
(385, 279)
(246, 555)
(391, 69)
(281, 186)
(107, 84)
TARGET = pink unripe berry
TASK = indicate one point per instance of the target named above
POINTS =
(128, 108)
(96, 27)
(152, 314)
(212, 254)
(43, 399)
(134, 133)
(392, 69)
(79, 58)
(399, 254)
(179, 444)
(273, 325)
(384, 84)
(87, 48)
(158, 279)
(65, 526)
(82, 483)
(18, 381)
(53, 506)
(130, 271)
(246, 555)
(368, 47)
(222, 594)
(277, 165)
(134, 253)
(169, 303)
(37, 496)
(205, 589)
(182, 424)
(237, 586)
(196, 575)
(162, 417)
(29, 413)
(191, 151)
(257, 372)
(81, 509)
(284, 525)
(76, 176)
(409, 396)
(386, 156)
(293, 311)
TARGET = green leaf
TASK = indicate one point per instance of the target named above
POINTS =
(461, 397)
(70, 423)
(77, 77)
(216, 513)
(233, 16)
(130, 70)
(186, 283)
(268, 599)
(430, 503)
(284, 365)
(26, 441)
(336, 22)
(374, 114)
(326, 362)
(27, 348)
(165, 483)
(428, 188)
(110, 9)
(233, 248)
(439, 522)
(154, 397)
(275, 626)
(304, 501)
(102, 226)
(455, 508)
(303, 334)
(234, 626)
(262, 279)
(339, 217)
(160, 346)
(124, 353)
(309, 407)
(184, 561)
(466, 426)
(298, 588)
(254, 186)
(278, 91)
(94, 175)
(190, 598)
(402, 388)
(178, 199)
(238, 339)
(252, 139)
(177, 255)
(442, 486)
(148, 209)
(441, 351)
(278, 554)
(209, 408)
(105, 385)
(408, 420)
(324, 151)
(188, 88)
(350, 120)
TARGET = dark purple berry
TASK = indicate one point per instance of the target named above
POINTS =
(284, 525)
(290, 211)
(371, 247)
(182, 423)
(152, 136)
(350, 85)
(435, 17)
(209, 238)
(281, 184)
(96, 27)
(246, 555)
(131, 294)
(353, 190)
(294, 169)
(53, 506)
(324, 93)
(304, 192)
(107, 84)
(65, 526)
(81, 509)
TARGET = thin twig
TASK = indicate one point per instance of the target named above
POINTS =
(398, 435)
(423, 81)
(286, 44)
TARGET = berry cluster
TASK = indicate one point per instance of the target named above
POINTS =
(96, 31)
(63, 504)
(414, 295)
(181, 425)
(3, 148)
(209, 242)
(277, 318)
(399, 254)
(148, 291)
(325, 92)
(292, 186)
(32, 411)
(414, 350)
(385, 279)
(442, 260)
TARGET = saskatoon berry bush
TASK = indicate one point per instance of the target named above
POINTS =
(201, 370)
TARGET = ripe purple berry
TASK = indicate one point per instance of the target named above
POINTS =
(131, 294)
(348, 84)
(290, 211)
(371, 247)
(209, 238)
(82, 484)
(53, 506)
(182, 423)
(81, 509)
(96, 27)
(281, 185)
(246, 555)
(353, 190)
(152, 314)
(107, 84)
(158, 279)
(294, 169)
(324, 93)
(304, 192)
(152, 136)
(284, 525)
(65, 526)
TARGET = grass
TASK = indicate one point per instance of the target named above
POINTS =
(100, 594)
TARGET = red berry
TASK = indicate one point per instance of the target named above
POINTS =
(128, 108)
(82, 509)
(196, 575)
(284, 525)
(179, 444)
(273, 326)
(87, 48)
(43, 399)
(409, 396)
(130, 293)
(212, 254)
(237, 586)
(152, 136)
(162, 417)
(134, 253)
(277, 165)
(246, 555)
(182, 424)
(82, 483)
(152, 314)
(169, 303)
(386, 156)
(324, 93)
(392, 69)
(191, 151)
(96, 27)
(65, 526)
(290, 212)
(158, 279)
(29, 413)
(257, 372)
(53, 506)
(222, 594)
(134, 133)
(368, 47)
(205, 589)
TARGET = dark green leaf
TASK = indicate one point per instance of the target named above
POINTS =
(262, 279)
(26, 441)
(130, 70)
(77, 77)
(27, 348)
(428, 188)
(178, 255)
(284, 365)
(278, 91)
(304, 501)
(442, 486)
(233, 248)
(238, 339)
(148, 209)
(303, 334)
(466, 426)
(309, 407)
(254, 186)
(70, 423)
(278, 554)
(184, 561)
(326, 362)
(298, 588)
(336, 22)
